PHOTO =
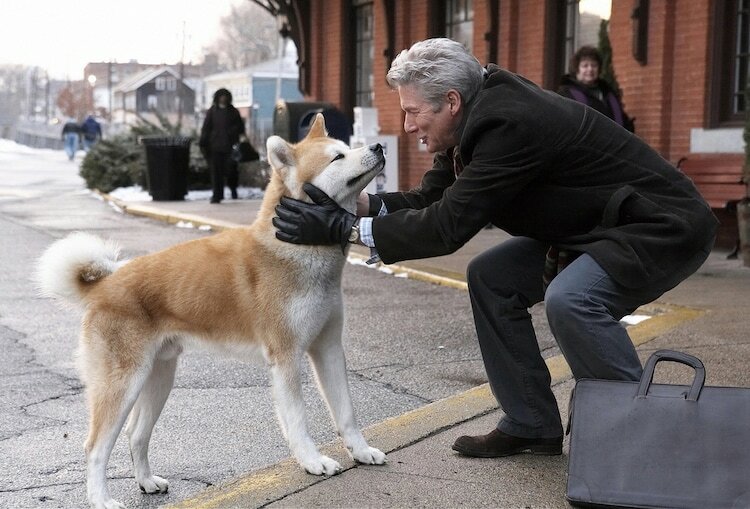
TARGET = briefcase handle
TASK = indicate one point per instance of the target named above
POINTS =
(670, 355)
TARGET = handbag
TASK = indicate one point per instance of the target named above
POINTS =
(640, 444)
(243, 152)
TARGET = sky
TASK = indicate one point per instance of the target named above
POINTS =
(63, 37)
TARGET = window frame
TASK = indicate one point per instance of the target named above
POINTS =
(722, 87)
(363, 64)
(466, 12)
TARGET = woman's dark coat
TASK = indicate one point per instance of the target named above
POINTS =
(222, 127)
(601, 97)
(542, 166)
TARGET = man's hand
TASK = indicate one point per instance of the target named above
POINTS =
(322, 222)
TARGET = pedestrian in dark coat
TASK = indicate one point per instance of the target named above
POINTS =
(602, 225)
(584, 85)
(71, 134)
(222, 128)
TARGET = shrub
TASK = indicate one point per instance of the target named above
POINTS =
(112, 163)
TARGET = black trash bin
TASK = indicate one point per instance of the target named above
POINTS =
(167, 161)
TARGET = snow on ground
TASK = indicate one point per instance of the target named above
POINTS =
(10, 150)
(138, 194)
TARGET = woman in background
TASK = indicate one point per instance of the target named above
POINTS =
(584, 85)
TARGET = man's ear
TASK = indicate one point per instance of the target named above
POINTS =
(280, 155)
(454, 101)
(318, 127)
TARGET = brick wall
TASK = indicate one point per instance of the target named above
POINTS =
(668, 94)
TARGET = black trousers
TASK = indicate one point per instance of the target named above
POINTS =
(223, 166)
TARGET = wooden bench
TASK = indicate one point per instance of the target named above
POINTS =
(717, 177)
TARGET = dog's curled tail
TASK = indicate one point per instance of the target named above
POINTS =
(73, 265)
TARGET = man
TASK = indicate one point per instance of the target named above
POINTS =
(91, 130)
(602, 225)
(71, 134)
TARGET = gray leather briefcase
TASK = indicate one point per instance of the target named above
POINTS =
(640, 444)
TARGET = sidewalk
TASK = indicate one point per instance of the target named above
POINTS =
(705, 316)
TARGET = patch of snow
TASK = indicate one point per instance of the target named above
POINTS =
(634, 319)
(138, 194)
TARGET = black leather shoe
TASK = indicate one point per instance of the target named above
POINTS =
(496, 444)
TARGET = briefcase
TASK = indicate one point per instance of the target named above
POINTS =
(640, 444)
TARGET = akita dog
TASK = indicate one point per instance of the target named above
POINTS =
(242, 291)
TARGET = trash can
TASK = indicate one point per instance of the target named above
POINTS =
(292, 120)
(167, 162)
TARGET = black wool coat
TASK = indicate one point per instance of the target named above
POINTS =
(221, 129)
(539, 165)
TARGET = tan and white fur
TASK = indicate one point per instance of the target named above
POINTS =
(241, 291)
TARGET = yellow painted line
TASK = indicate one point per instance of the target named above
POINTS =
(418, 275)
(277, 481)
(167, 216)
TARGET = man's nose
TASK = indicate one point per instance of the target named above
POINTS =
(409, 126)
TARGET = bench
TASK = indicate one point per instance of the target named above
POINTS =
(717, 177)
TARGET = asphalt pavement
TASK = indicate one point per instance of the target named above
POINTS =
(705, 316)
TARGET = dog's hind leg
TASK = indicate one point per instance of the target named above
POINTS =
(290, 408)
(327, 356)
(113, 385)
(146, 412)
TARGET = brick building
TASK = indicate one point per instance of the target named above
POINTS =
(681, 64)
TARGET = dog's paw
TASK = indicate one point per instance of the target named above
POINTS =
(369, 456)
(323, 465)
(107, 504)
(154, 484)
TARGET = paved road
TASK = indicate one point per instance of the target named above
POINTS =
(408, 343)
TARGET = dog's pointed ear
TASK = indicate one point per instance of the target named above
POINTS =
(318, 127)
(279, 152)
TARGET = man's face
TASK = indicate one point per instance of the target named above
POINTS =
(435, 129)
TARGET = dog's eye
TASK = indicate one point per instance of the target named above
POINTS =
(338, 156)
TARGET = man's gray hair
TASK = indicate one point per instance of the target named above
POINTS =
(436, 66)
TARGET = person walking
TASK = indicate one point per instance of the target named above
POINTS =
(584, 85)
(602, 224)
(222, 128)
(71, 134)
(91, 130)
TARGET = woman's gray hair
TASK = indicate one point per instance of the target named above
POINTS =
(436, 66)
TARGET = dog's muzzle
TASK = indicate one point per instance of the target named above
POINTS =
(374, 159)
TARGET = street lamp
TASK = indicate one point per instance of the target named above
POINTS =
(92, 81)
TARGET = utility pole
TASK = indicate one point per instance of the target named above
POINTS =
(180, 81)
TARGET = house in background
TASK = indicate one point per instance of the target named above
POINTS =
(255, 91)
(682, 66)
(154, 90)
(103, 77)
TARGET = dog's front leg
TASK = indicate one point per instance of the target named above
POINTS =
(327, 357)
(290, 408)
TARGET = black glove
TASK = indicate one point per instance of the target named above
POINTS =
(323, 222)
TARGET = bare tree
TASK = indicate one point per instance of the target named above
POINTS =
(248, 35)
